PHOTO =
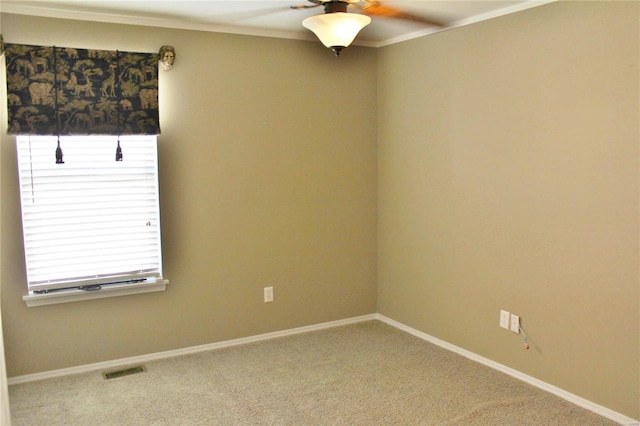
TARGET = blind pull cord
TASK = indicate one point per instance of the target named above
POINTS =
(117, 87)
(55, 94)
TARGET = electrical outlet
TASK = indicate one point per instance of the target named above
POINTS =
(504, 319)
(268, 294)
(515, 323)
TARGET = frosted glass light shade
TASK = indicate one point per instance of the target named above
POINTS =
(336, 29)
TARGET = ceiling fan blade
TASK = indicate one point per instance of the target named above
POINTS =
(303, 6)
(316, 3)
(375, 8)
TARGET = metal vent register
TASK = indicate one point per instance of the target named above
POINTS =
(124, 372)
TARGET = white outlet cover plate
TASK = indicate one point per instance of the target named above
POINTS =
(504, 319)
(268, 294)
(515, 323)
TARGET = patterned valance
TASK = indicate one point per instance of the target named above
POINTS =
(66, 91)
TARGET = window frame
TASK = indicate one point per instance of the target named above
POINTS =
(71, 290)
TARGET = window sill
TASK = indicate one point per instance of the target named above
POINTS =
(76, 295)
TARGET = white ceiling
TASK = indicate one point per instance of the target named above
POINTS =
(267, 18)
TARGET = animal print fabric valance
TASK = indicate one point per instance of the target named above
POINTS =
(65, 91)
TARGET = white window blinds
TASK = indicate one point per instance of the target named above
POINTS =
(91, 220)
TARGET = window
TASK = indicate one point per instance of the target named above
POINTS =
(91, 224)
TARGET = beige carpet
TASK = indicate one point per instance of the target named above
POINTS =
(362, 374)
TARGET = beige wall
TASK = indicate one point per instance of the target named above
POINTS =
(508, 179)
(267, 177)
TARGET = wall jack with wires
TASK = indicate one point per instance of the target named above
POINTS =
(512, 322)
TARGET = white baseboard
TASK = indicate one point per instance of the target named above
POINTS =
(579, 401)
(575, 399)
(184, 351)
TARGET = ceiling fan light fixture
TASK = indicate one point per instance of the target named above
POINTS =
(336, 30)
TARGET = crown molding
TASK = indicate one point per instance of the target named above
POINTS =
(463, 22)
(117, 18)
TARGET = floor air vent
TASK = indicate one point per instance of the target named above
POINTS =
(125, 372)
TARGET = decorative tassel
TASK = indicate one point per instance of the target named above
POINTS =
(118, 152)
(59, 154)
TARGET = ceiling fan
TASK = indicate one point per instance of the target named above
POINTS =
(336, 28)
